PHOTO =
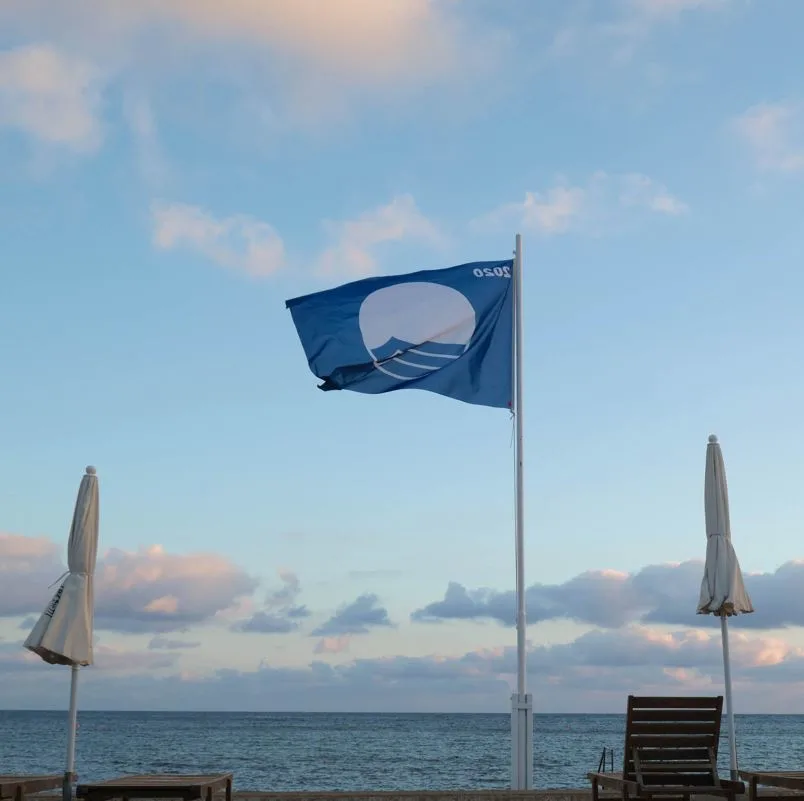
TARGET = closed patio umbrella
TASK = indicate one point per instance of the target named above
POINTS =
(722, 590)
(63, 634)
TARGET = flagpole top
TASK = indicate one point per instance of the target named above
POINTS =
(91, 471)
(712, 439)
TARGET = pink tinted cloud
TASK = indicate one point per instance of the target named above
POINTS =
(149, 590)
(333, 645)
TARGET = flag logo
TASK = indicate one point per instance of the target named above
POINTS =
(414, 329)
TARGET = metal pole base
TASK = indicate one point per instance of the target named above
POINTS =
(67, 787)
(521, 742)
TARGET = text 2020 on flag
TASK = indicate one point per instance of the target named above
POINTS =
(447, 331)
(456, 332)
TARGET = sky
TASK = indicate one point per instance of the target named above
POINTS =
(173, 171)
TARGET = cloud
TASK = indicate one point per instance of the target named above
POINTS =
(371, 575)
(122, 660)
(356, 241)
(14, 658)
(665, 594)
(287, 594)
(357, 617)
(368, 43)
(775, 134)
(164, 644)
(333, 645)
(139, 116)
(604, 202)
(669, 10)
(265, 623)
(148, 591)
(618, 36)
(282, 614)
(316, 58)
(238, 243)
(27, 566)
(595, 672)
(51, 96)
(639, 191)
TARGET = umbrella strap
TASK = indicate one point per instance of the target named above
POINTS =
(62, 576)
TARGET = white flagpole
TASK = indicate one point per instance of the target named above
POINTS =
(521, 701)
(724, 631)
(69, 773)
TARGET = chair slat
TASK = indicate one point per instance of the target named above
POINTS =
(676, 767)
(698, 754)
(639, 715)
(677, 779)
(672, 740)
(654, 702)
(684, 727)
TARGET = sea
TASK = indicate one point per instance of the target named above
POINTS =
(352, 752)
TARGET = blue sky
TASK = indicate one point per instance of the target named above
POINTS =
(172, 172)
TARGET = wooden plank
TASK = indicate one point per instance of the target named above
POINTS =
(788, 780)
(676, 767)
(156, 786)
(613, 782)
(28, 783)
(670, 702)
(163, 777)
(691, 756)
(684, 727)
(686, 790)
(672, 741)
(692, 779)
(674, 715)
(679, 754)
(164, 780)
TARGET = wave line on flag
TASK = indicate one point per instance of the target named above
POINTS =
(408, 364)
(423, 366)
(435, 355)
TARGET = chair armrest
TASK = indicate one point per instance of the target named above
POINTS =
(613, 782)
(729, 784)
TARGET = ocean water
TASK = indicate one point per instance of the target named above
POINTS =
(351, 751)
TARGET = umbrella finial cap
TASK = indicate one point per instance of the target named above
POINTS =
(91, 470)
(713, 438)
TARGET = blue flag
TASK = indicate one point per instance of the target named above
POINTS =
(447, 331)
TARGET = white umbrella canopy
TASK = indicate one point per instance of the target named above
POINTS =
(63, 634)
(722, 589)
(723, 592)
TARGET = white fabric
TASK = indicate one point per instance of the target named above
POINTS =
(722, 588)
(63, 634)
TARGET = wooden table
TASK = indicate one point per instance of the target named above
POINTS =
(186, 788)
(787, 780)
(17, 787)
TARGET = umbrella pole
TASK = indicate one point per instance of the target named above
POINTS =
(724, 630)
(69, 773)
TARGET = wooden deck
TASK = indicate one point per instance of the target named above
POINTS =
(790, 780)
(178, 786)
(561, 794)
(18, 786)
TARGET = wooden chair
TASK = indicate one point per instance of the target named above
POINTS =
(670, 751)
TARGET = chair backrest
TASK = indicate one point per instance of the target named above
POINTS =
(672, 741)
